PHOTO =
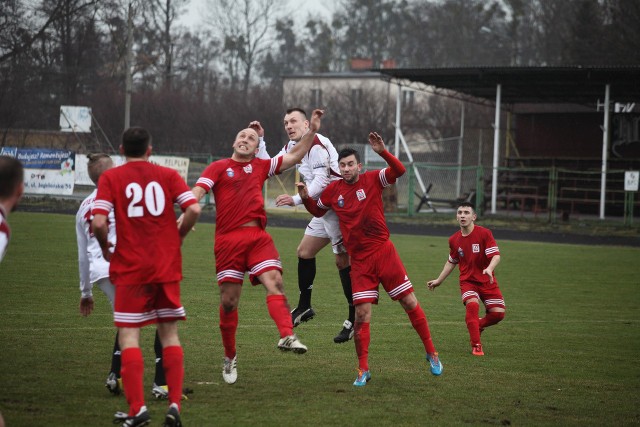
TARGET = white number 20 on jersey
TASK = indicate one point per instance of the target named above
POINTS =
(153, 199)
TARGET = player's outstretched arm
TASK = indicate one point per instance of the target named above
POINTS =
(199, 193)
(297, 153)
(376, 142)
(310, 204)
(284, 200)
(495, 260)
(100, 229)
(446, 270)
(191, 215)
(396, 168)
(255, 125)
(262, 146)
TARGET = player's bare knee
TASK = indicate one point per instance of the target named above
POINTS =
(305, 253)
(279, 286)
(229, 304)
(408, 302)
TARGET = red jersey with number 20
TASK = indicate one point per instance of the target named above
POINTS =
(237, 189)
(360, 211)
(142, 196)
(473, 254)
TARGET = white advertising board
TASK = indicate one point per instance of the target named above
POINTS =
(75, 119)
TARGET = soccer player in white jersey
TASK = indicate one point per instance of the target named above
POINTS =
(318, 167)
(11, 189)
(94, 269)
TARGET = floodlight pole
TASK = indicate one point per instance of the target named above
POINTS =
(496, 151)
(460, 146)
(605, 143)
(398, 113)
(128, 62)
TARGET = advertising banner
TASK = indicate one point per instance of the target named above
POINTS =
(180, 164)
(46, 171)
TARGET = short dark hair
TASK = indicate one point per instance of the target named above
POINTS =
(11, 175)
(98, 163)
(467, 205)
(346, 152)
(135, 141)
(299, 110)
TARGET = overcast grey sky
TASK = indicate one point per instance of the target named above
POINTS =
(196, 10)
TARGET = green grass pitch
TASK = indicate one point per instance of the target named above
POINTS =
(566, 354)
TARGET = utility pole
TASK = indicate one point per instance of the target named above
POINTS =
(128, 64)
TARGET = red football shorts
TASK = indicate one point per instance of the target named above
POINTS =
(490, 295)
(382, 266)
(245, 249)
(140, 305)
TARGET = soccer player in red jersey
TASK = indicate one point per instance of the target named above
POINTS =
(357, 201)
(474, 249)
(241, 242)
(146, 266)
(11, 190)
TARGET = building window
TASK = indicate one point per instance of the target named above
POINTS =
(316, 98)
(356, 97)
(408, 97)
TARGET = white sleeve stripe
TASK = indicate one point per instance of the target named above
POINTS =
(491, 250)
(273, 167)
(383, 178)
(321, 205)
(452, 261)
(103, 204)
(185, 197)
(205, 181)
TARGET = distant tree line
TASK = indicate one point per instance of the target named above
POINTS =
(195, 89)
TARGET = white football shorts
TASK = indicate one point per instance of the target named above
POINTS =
(327, 227)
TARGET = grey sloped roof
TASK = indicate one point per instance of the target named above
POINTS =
(575, 84)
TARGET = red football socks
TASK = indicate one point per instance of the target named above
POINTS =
(173, 360)
(491, 318)
(279, 312)
(132, 371)
(362, 338)
(471, 319)
(420, 324)
(228, 327)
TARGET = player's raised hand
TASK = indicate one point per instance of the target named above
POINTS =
(376, 142)
(302, 190)
(255, 125)
(314, 124)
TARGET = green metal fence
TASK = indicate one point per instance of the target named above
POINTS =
(554, 193)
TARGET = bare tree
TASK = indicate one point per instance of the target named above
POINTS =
(160, 17)
(246, 29)
(19, 31)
